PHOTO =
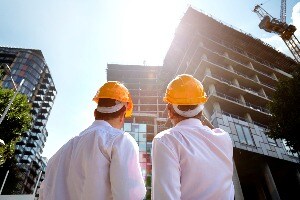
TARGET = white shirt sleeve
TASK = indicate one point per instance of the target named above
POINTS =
(165, 172)
(125, 171)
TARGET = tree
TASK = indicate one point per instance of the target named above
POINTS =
(17, 121)
(285, 110)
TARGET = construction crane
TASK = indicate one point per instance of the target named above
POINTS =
(280, 27)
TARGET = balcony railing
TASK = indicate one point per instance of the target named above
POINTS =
(239, 73)
(247, 104)
(230, 83)
(239, 51)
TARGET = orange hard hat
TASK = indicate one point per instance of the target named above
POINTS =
(185, 90)
(115, 90)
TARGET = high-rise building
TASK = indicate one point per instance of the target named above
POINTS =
(239, 73)
(143, 85)
(38, 86)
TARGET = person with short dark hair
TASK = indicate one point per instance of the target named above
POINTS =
(102, 162)
(192, 160)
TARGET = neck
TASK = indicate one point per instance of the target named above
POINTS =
(116, 123)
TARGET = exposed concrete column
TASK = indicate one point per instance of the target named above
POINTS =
(274, 76)
(242, 99)
(204, 57)
(255, 77)
(226, 54)
(207, 71)
(155, 126)
(270, 182)
(250, 65)
(238, 192)
(212, 89)
(262, 92)
(235, 82)
(248, 118)
(217, 107)
(230, 68)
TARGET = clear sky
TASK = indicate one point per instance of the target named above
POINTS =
(79, 37)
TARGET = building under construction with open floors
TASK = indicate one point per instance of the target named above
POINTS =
(143, 84)
(239, 73)
(29, 65)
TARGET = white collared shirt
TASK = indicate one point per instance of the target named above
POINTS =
(191, 161)
(101, 163)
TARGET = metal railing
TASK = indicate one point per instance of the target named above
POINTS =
(247, 104)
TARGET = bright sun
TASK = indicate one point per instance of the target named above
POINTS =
(148, 28)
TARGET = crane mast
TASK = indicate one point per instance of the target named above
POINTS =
(280, 27)
(283, 11)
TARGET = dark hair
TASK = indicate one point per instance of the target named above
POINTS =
(184, 108)
(107, 116)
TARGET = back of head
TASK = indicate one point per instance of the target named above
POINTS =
(185, 96)
(113, 98)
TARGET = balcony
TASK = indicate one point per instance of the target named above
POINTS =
(37, 129)
(41, 92)
(242, 78)
(22, 142)
(45, 110)
(234, 88)
(34, 136)
(34, 109)
(18, 149)
(36, 104)
(237, 63)
(32, 143)
(39, 98)
(238, 107)
(42, 116)
(46, 103)
(39, 123)
(247, 55)
(50, 96)
(28, 151)
(249, 105)
(26, 159)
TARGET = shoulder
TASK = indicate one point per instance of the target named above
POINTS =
(168, 138)
(165, 134)
(220, 132)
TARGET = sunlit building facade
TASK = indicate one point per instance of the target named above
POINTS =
(38, 86)
(239, 73)
(144, 88)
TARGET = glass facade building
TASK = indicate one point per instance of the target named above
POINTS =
(139, 133)
(38, 86)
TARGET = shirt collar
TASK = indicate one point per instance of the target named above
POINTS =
(97, 123)
(101, 123)
(190, 121)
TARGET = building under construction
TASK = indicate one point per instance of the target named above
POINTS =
(239, 73)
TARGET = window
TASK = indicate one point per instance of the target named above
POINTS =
(244, 134)
(127, 127)
(240, 133)
(248, 135)
(142, 128)
(271, 141)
